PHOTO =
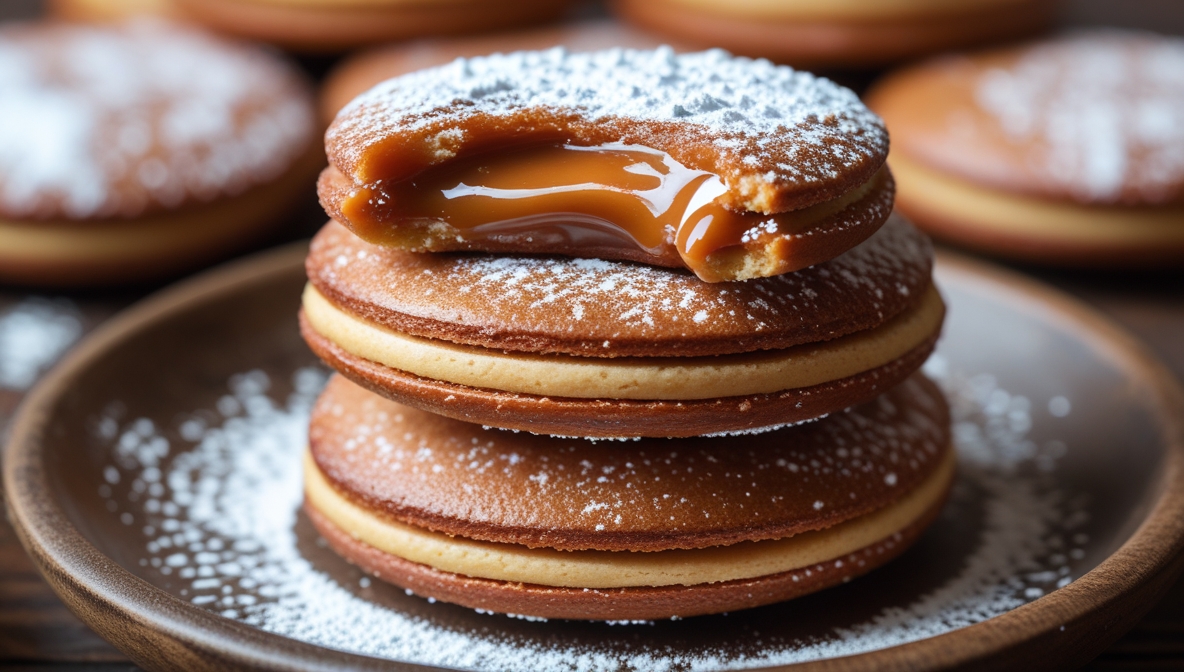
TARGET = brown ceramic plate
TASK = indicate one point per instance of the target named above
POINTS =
(154, 478)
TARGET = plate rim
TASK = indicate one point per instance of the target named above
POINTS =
(158, 630)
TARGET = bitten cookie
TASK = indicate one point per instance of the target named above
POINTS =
(341, 25)
(558, 528)
(1066, 152)
(582, 347)
(732, 168)
(135, 151)
(842, 33)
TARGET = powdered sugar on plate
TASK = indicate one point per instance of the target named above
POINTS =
(1103, 112)
(33, 334)
(217, 499)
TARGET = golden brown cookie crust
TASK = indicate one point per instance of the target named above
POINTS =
(654, 494)
(618, 309)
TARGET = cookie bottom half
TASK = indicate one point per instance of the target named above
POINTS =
(109, 252)
(841, 41)
(330, 26)
(816, 560)
(1036, 230)
(617, 418)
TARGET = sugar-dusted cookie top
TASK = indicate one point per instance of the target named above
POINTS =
(1092, 117)
(654, 494)
(779, 139)
(597, 308)
(117, 121)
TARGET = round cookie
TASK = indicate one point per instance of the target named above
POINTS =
(659, 528)
(108, 10)
(733, 168)
(845, 34)
(340, 25)
(363, 71)
(1064, 152)
(578, 347)
(140, 150)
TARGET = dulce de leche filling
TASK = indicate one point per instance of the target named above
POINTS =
(557, 196)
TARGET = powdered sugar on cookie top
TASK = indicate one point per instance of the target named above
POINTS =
(767, 130)
(1104, 113)
(113, 122)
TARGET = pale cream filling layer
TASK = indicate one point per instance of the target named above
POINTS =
(622, 569)
(856, 10)
(990, 210)
(653, 378)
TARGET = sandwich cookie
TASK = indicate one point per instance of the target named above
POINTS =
(839, 34)
(732, 168)
(135, 151)
(358, 73)
(588, 347)
(1065, 152)
(322, 26)
(555, 528)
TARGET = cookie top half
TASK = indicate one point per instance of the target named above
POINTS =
(107, 122)
(1095, 118)
(779, 139)
(598, 308)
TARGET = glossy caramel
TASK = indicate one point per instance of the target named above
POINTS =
(610, 196)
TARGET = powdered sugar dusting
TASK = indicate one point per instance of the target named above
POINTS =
(112, 121)
(217, 499)
(769, 124)
(623, 308)
(1105, 112)
(33, 334)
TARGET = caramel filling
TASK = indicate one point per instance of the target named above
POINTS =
(613, 196)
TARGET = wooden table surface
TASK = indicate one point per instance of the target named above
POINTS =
(38, 633)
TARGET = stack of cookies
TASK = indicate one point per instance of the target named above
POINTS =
(694, 253)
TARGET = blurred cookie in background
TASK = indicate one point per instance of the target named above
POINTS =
(108, 10)
(1065, 152)
(362, 71)
(839, 33)
(327, 26)
(139, 151)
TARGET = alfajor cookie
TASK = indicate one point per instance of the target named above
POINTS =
(839, 34)
(361, 72)
(134, 151)
(732, 168)
(1065, 152)
(583, 347)
(555, 528)
(341, 25)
